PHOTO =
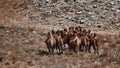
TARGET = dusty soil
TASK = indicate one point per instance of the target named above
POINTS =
(23, 29)
(20, 47)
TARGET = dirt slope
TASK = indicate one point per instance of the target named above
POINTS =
(25, 23)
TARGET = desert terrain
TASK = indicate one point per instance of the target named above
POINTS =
(24, 25)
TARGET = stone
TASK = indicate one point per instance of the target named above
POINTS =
(34, 31)
(118, 24)
(117, 11)
(112, 2)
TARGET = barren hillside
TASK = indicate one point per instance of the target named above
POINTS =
(24, 25)
(93, 13)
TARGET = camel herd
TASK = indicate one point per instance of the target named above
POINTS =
(77, 40)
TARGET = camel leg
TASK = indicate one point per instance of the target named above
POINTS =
(94, 47)
(89, 48)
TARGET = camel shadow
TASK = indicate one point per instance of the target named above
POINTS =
(44, 52)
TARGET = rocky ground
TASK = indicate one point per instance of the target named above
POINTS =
(25, 48)
(24, 24)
